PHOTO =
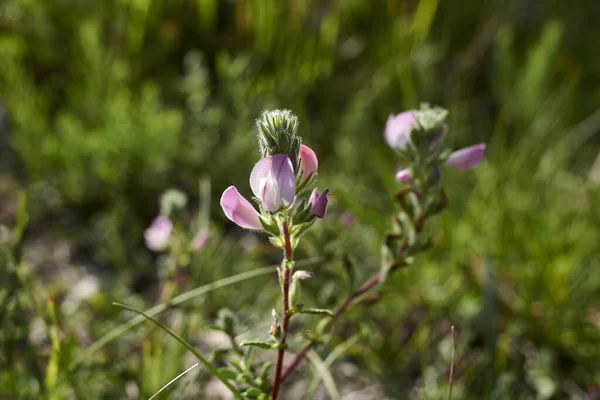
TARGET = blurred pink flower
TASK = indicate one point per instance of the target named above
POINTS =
(239, 210)
(397, 129)
(308, 162)
(158, 233)
(466, 158)
(273, 181)
(318, 203)
(403, 175)
(200, 240)
(346, 218)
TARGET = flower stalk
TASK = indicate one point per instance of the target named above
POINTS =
(287, 267)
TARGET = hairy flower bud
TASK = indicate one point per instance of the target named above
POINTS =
(277, 133)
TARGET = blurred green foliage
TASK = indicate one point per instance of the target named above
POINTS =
(109, 103)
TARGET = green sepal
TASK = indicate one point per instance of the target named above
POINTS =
(276, 241)
(270, 224)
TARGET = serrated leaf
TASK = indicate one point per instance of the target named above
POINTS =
(256, 343)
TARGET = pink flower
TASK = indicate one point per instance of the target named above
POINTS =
(239, 210)
(200, 240)
(466, 158)
(308, 162)
(273, 181)
(318, 203)
(397, 129)
(346, 218)
(403, 175)
(158, 234)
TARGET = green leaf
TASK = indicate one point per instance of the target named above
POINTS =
(256, 343)
(228, 373)
(252, 393)
(319, 311)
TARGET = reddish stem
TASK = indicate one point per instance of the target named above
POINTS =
(288, 254)
(374, 280)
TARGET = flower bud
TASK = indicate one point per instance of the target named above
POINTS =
(239, 210)
(302, 275)
(403, 175)
(466, 158)
(308, 163)
(318, 203)
(273, 181)
(158, 234)
(277, 131)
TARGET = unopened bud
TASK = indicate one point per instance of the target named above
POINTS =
(277, 131)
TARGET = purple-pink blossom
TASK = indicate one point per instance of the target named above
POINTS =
(273, 181)
(158, 233)
(308, 162)
(466, 158)
(239, 210)
(398, 128)
(318, 203)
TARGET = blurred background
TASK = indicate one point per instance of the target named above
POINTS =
(106, 104)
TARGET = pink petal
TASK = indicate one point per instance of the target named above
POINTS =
(239, 210)
(308, 162)
(313, 196)
(273, 181)
(287, 182)
(403, 175)
(466, 158)
(397, 129)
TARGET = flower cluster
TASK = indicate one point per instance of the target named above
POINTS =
(162, 234)
(278, 180)
(410, 130)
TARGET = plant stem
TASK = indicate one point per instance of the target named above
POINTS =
(285, 289)
(374, 280)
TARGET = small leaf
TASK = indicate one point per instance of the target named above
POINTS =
(320, 311)
(265, 370)
(256, 343)
(228, 373)
(252, 393)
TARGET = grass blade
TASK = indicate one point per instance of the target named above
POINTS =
(173, 380)
(188, 346)
(328, 381)
(121, 329)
